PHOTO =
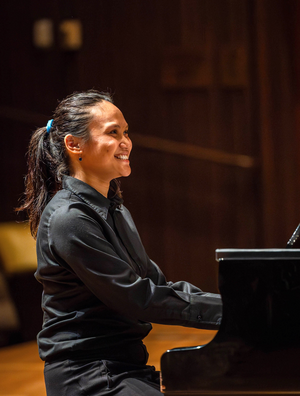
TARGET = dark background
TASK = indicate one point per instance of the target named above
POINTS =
(210, 89)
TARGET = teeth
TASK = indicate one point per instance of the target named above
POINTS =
(123, 157)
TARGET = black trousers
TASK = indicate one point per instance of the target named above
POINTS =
(100, 377)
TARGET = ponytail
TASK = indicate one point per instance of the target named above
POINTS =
(47, 159)
(42, 180)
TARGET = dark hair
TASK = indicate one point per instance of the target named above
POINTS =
(47, 158)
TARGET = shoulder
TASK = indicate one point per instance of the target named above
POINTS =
(122, 208)
(67, 212)
(126, 217)
(124, 212)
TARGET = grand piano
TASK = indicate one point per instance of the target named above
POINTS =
(257, 348)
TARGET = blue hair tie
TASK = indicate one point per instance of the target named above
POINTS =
(49, 126)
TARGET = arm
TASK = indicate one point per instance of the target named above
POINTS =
(78, 243)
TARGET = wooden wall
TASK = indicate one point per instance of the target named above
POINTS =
(276, 35)
(207, 87)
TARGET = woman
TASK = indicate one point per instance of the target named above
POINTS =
(101, 291)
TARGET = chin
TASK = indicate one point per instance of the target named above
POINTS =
(125, 174)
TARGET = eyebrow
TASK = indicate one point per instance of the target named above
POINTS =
(117, 126)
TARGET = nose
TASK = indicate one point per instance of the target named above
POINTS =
(125, 143)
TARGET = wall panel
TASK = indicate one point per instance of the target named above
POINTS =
(183, 71)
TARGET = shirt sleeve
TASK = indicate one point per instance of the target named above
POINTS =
(77, 242)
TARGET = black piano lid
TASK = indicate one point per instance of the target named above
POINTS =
(257, 254)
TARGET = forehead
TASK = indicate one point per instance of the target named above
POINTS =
(106, 113)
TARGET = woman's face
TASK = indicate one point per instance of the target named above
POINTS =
(106, 154)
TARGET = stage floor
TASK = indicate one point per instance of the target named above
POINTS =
(21, 370)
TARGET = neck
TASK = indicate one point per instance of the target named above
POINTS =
(102, 186)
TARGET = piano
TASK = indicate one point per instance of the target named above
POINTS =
(256, 350)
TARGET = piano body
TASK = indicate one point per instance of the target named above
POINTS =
(257, 348)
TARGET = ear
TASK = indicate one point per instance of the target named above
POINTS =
(73, 144)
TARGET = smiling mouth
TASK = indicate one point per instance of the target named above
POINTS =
(122, 157)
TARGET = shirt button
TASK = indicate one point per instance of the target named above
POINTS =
(199, 317)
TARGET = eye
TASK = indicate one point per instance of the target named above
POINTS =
(126, 132)
(113, 132)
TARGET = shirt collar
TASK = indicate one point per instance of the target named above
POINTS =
(90, 196)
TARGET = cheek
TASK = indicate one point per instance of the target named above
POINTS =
(110, 148)
(105, 148)
(102, 149)
(107, 153)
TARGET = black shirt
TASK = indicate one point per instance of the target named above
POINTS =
(101, 291)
